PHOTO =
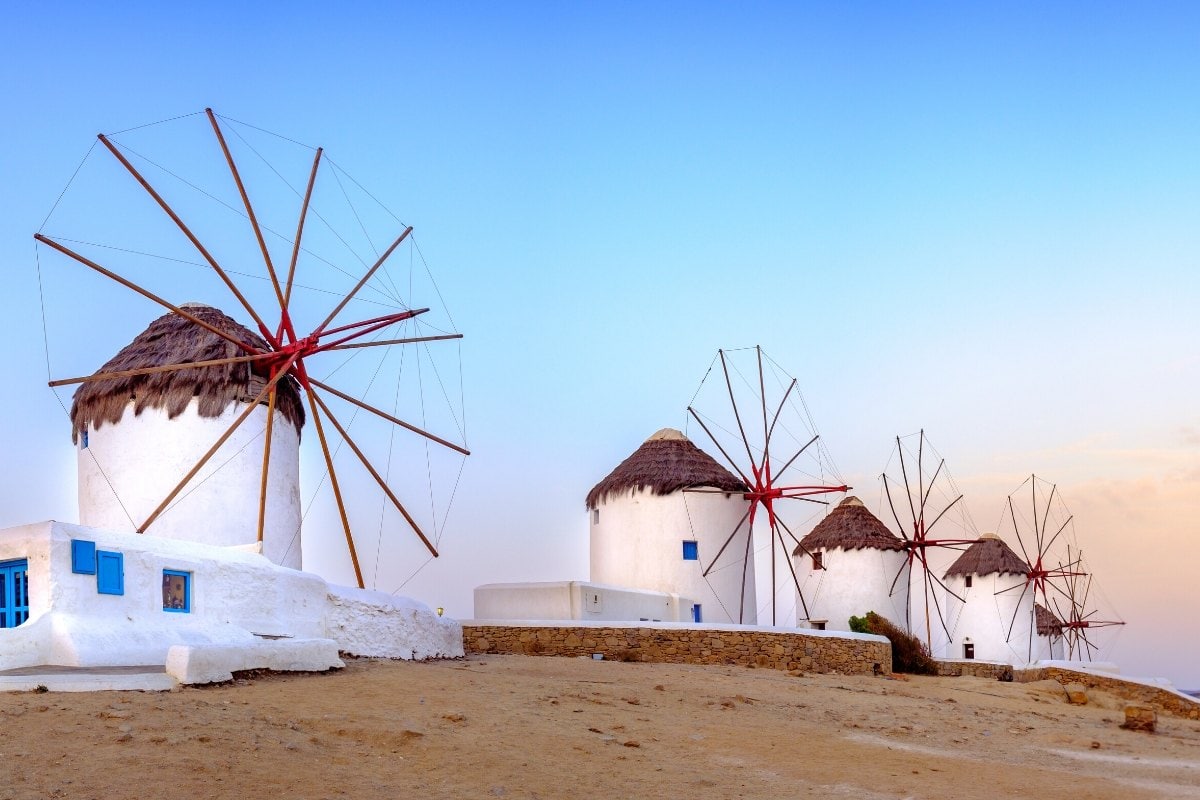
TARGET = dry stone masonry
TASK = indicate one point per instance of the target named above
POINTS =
(854, 654)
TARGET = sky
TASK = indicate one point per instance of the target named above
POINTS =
(980, 222)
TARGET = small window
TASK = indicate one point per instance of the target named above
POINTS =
(968, 650)
(697, 613)
(83, 557)
(818, 625)
(177, 591)
(691, 550)
(14, 593)
(818, 559)
(110, 572)
(83, 440)
(595, 516)
(968, 580)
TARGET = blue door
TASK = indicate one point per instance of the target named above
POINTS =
(14, 593)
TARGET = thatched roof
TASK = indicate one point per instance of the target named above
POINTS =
(171, 339)
(850, 526)
(1047, 623)
(665, 463)
(988, 556)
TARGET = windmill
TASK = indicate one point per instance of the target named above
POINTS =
(924, 501)
(1079, 611)
(753, 413)
(1047, 524)
(278, 350)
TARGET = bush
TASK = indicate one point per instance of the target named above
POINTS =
(909, 654)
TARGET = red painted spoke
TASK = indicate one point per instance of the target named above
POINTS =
(386, 342)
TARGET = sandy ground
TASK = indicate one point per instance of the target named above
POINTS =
(527, 727)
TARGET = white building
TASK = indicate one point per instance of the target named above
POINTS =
(138, 436)
(849, 564)
(197, 593)
(659, 521)
(995, 620)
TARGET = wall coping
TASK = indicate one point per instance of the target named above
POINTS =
(719, 627)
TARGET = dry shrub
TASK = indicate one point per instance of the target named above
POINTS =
(909, 654)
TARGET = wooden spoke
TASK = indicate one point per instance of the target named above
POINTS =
(792, 568)
(287, 292)
(713, 439)
(337, 490)
(888, 490)
(131, 373)
(266, 463)
(1017, 610)
(942, 514)
(87, 262)
(908, 490)
(237, 423)
(736, 415)
(778, 411)
(374, 474)
(386, 342)
(745, 568)
(186, 232)
(389, 417)
(728, 539)
(362, 282)
(237, 178)
(799, 452)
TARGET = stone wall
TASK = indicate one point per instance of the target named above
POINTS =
(810, 651)
(1166, 701)
(975, 669)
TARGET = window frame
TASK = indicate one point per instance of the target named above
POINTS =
(691, 550)
(14, 587)
(187, 590)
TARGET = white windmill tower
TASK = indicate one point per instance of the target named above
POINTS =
(846, 566)
(984, 577)
(138, 434)
(661, 514)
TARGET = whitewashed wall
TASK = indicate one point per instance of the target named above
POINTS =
(577, 600)
(238, 600)
(853, 583)
(128, 468)
(985, 616)
(638, 543)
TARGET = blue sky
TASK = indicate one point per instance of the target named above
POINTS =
(978, 221)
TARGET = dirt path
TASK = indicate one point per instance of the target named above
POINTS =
(520, 727)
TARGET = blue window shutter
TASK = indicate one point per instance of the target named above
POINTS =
(83, 557)
(691, 550)
(110, 572)
(697, 616)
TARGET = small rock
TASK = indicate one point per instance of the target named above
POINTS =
(1076, 694)
(125, 737)
(1140, 718)
(659, 688)
(454, 717)
(126, 728)
(1095, 745)
(632, 743)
